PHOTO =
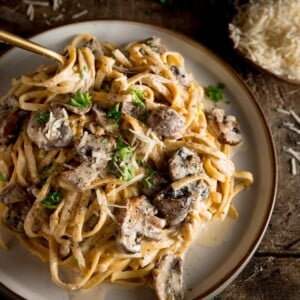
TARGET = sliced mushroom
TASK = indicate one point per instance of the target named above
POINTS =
(63, 100)
(199, 190)
(174, 205)
(136, 221)
(167, 122)
(95, 148)
(168, 278)
(94, 153)
(11, 117)
(19, 202)
(109, 124)
(152, 185)
(95, 47)
(224, 127)
(81, 176)
(54, 132)
(181, 75)
(184, 162)
(132, 109)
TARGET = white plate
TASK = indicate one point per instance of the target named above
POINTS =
(210, 265)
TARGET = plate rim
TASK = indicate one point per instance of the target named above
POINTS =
(244, 260)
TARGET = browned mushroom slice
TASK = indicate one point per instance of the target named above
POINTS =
(224, 127)
(95, 47)
(183, 78)
(133, 109)
(11, 117)
(95, 148)
(110, 125)
(154, 183)
(167, 122)
(50, 129)
(64, 100)
(94, 152)
(174, 205)
(138, 220)
(168, 278)
(81, 176)
(184, 162)
(19, 202)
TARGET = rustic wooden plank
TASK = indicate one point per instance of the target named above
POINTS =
(266, 278)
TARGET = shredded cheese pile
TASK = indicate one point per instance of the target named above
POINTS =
(267, 32)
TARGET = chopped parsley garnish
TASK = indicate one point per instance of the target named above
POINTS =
(80, 99)
(138, 97)
(115, 113)
(3, 177)
(152, 46)
(52, 200)
(148, 180)
(122, 160)
(42, 117)
(215, 92)
(127, 172)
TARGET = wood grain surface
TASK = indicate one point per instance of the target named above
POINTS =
(274, 271)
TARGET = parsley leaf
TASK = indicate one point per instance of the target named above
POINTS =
(138, 97)
(52, 200)
(80, 100)
(42, 117)
(148, 180)
(215, 92)
(115, 113)
(3, 177)
(122, 160)
(152, 46)
(127, 172)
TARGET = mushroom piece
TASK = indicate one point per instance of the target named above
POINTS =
(95, 47)
(11, 117)
(183, 78)
(63, 100)
(168, 278)
(153, 184)
(50, 129)
(94, 153)
(81, 176)
(110, 125)
(167, 122)
(224, 127)
(95, 148)
(136, 221)
(184, 162)
(134, 110)
(19, 202)
(174, 205)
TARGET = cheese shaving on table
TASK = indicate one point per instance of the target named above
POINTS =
(267, 32)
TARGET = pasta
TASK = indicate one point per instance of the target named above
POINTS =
(111, 161)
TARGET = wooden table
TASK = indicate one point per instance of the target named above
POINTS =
(274, 271)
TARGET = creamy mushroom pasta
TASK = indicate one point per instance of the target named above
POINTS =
(110, 162)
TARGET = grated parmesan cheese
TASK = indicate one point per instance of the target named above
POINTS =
(294, 167)
(267, 32)
(80, 14)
